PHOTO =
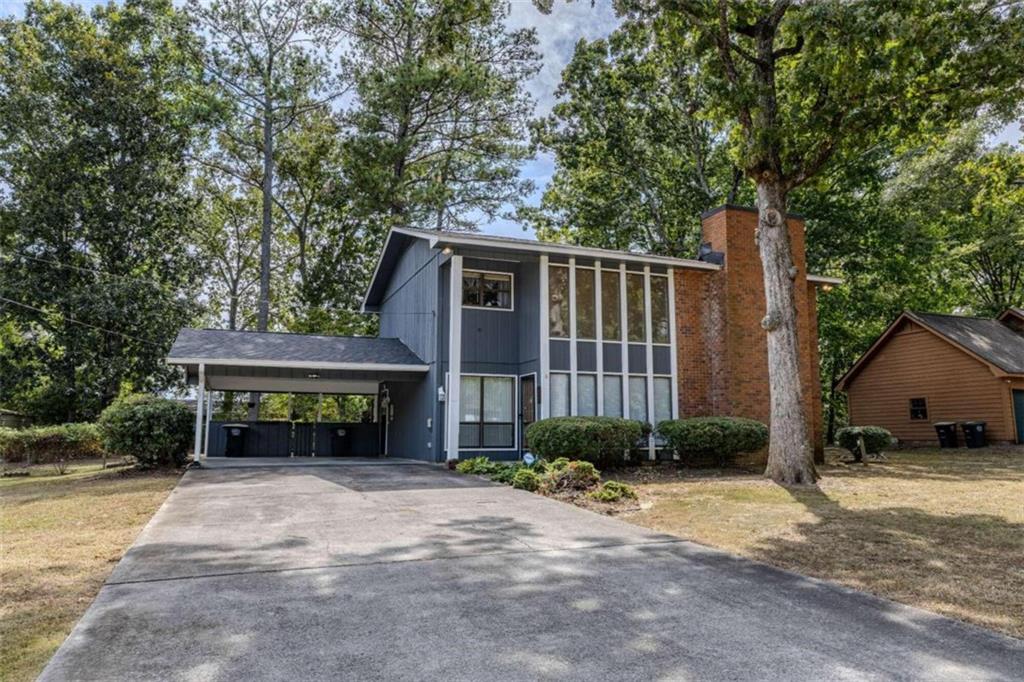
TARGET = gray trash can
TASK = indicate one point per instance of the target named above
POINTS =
(947, 434)
(974, 434)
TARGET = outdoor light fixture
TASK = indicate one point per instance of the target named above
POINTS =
(447, 250)
(312, 375)
(826, 287)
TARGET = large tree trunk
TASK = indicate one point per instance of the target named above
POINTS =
(790, 458)
(266, 235)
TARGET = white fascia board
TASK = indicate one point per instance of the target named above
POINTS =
(822, 279)
(376, 269)
(300, 364)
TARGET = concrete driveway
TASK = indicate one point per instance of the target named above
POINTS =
(386, 570)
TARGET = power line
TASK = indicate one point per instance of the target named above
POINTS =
(84, 324)
(84, 269)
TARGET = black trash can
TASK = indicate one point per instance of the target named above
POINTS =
(947, 434)
(234, 445)
(339, 441)
(974, 434)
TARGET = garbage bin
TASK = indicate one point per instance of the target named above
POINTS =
(974, 434)
(234, 445)
(339, 441)
(947, 434)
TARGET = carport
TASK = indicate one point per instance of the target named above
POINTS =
(272, 362)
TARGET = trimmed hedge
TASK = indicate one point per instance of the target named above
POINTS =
(48, 444)
(876, 439)
(720, 438)
(600, 440)
(153, 431)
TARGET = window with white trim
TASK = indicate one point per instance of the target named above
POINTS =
(586, 322)
(659, 309)
(636, 316)
(611, 313)
(559, 394)
(558, 301)
(487, 289)
(586, 395)
(638, 398)
(612, 395)
(488, 412)
(662, 399)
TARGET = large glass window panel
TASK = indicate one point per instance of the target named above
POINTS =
(586, 395)
(638, 398)
(662, 399)
(487, 290)
(612, 396)
(559, 395)
(558, 301)
(498, 399)
(659, 309)
(469, 400)
(636, 319)
(611, 312)
(586, 326)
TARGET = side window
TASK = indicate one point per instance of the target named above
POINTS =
(487, 290)
(918, 408)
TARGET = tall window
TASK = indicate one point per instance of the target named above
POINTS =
(638, 398)
(659, 309)
(612, 395)
(488, 412)
(558, 301)
(611, 324)
(636, 318)
(662, 399)
(487, 290)
(586, 395)
(559, 395)
(585, 319)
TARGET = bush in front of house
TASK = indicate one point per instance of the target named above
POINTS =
(720, 438)
(613, 491)
(576, 475)
(526, 479)
(600, 440)
(50, 444)
(876, 439)
(153, 431)
(480, 466)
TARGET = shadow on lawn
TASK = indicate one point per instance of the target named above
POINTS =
(963, 565)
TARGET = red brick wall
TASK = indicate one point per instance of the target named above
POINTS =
(722, 353)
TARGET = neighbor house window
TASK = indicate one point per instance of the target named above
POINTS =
(558, 301)
(918, 408)
(611, 324)
(488, 412)
(638, 398)
(586, 395)
(586, 327)
(559, 395)
(487, 290)
(612, 395)
(636, 318)
(659, 309)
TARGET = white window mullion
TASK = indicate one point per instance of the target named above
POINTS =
(572, 337)
(623, 317)
(673, 360)
(545, 345)
(649, 348)
(599, 335)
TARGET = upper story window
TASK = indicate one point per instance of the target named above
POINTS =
(487, 289)
(611, 312)
(918, 408)
(586, 324)
(659, 309)
(558, 301)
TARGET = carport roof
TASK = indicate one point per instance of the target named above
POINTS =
(274, 349)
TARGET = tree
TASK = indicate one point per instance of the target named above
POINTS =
(97, 116)
(441, 112)
(636, 160)
(800, 85)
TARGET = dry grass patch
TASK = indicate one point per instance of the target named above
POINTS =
(944, 532)
(61, 536)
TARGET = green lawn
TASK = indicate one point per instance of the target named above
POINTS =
(61, 536)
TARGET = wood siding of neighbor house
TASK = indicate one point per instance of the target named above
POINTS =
(916, 363)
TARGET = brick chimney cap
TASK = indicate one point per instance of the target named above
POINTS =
(736, 207)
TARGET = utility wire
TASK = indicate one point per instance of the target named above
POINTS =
(83, 269)
(84, 324)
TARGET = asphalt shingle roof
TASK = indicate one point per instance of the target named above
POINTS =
(990, 340)
(223, 344)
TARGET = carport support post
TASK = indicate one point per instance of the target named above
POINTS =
(200, 396)
(454, 358)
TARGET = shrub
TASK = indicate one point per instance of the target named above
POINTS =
(876, 439)
(600, 440)
(576, 475)
(526, 479)
(50, 444)
(153, 431)
(477, 465)
(504, 473)
(713, 437)
(613, 491)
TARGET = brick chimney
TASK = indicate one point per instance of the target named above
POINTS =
(723, 365)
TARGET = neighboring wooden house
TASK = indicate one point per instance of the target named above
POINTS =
(928, 368)
(482, 335)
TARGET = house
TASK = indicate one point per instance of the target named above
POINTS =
(481, 335)
(928, 368)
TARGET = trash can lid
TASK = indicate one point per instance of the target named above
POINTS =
(944, 424)
(974, 423)
(234, 426)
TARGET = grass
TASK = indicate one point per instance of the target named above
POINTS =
(944, 532)
(61, 536)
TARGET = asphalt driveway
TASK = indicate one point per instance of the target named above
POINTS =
(386, 570)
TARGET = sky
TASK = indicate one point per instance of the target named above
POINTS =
(557, 34)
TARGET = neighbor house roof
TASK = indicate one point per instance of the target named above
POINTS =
(220, 346)
(990, 341)
(1012, 312)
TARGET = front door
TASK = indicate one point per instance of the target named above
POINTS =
(1018, 412)
(527, 405)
